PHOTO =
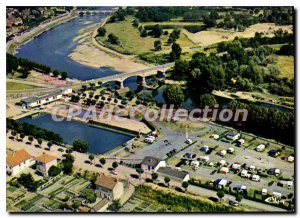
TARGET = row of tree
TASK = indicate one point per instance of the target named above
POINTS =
(23, 66)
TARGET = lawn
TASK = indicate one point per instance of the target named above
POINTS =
(286, 66)
(14, 86)
(132, 43)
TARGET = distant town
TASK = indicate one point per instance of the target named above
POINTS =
(150, 109)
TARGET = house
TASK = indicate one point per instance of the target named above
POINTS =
(274, 153)
(224, 170)
(221, 183)
(108, 187)
(260, 147)
(256, 178)
(174, 173)
(204, 148)
(230, 150)
(38, 100)
(233, 135)
(44, 162)
(151, 164)
(17, 161)
(223, 152)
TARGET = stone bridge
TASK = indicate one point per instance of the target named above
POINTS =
(141, 75)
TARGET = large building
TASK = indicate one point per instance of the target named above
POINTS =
(152, 164)
(109, 187)
(38, 100)
(17, 161)
(44, 162)
(182, 176)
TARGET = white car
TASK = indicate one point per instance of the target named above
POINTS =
(188, 141)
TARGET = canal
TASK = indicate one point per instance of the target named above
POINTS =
(100, 140)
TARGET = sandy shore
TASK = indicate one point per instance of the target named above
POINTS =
(91, 53)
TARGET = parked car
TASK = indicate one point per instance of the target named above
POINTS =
(188, 141)
(234, 203)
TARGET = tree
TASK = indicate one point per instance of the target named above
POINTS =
(207, 100)
(157, 31)
(40, 141)
(91, 157)
(101, 31)
(113, 39)
(102, 161)
(89, 195)
(139, 171)
(68, 164)
(30, 138)
(80, 146)
(55, 73)
(174, 94)
(185, 185)
(157, 45)
(239, 198)
(220, 194)
(154, 176)
(167, 180)
(176, 52)
(143, 33)
(136, 23)
(28, 182)
(174, 36)
(115, 164)
(22, 136)
(13, 133)
(115, 205)
(54, 171)
(63, 75)
(49, 144)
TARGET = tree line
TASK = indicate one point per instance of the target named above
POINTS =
(24, 66)
(32, 130)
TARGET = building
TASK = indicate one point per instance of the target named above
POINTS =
(233, 135)
(109, 187)
(38, 100)
(18, 161)
(152, 164)
(174, 173)
(44, 162)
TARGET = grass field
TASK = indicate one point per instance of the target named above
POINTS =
(132, 43)
(14, 86)
(286, 66)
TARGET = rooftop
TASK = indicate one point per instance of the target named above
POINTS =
(106, 181)
(151, 161)
(17, 157)
(35, 98)
(172, 172)
(45, 158)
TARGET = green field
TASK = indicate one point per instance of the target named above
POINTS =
(286, 66)
(15, 86)
(132, 43)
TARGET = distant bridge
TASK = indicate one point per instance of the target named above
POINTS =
(92, 12)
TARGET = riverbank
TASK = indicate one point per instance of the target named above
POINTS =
(90, 53)
(18, 41)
